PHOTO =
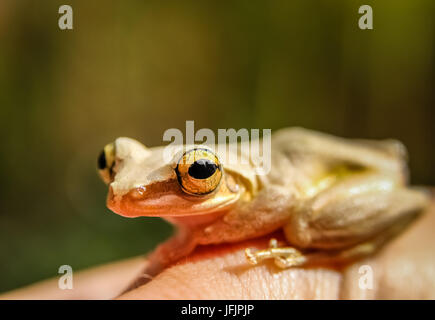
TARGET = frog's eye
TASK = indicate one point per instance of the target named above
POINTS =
(199, 171)
(106, 162)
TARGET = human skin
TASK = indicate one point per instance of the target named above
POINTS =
(404, 269)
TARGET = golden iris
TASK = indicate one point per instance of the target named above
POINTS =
(106, 162)
(199, 171)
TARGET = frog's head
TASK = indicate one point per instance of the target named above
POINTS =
(195, 181)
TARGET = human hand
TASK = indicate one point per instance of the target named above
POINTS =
(404, 269)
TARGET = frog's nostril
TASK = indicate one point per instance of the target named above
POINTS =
(102, 163)
(138, 193)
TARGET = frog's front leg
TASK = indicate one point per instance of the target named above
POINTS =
(167, 253)
(350, 220)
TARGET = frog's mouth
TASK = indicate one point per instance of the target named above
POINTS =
(166, 199)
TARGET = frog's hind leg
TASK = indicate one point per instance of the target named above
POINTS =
(349, 221)
(341, 257)
(353, 211)
(286, 257)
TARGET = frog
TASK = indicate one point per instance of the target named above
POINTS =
(335, 199)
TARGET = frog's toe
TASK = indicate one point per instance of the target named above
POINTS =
(251, 256)
(290, 261)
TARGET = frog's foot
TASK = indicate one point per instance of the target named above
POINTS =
(284, 257)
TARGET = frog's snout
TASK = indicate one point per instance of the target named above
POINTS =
(106, 162)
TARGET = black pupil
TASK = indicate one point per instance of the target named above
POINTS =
(102, 161)
(202, 169)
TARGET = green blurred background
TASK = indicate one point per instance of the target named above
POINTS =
(137, 68)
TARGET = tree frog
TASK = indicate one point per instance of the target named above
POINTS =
(335, 199)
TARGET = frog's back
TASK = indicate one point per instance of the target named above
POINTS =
(301, 156)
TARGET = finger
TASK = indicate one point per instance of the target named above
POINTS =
(404, 269)
(222, 272)
(103, 282)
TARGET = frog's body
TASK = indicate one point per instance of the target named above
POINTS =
(337, 198)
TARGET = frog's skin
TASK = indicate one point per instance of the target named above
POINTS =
(335, 199)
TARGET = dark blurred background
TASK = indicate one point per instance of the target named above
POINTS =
(137, 68)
